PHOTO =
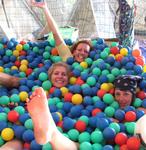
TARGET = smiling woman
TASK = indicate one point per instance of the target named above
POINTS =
(59, 74)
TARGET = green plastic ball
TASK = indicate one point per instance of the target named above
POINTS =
(111, 77)
(26, 47)
(59, 105)
(115, 126)
(108, 98)
(48, 49)
(109, 111)
(115, 71)
(3, 116)
(85, 145)
(85, 119)
(73, 134)
(20, 110)
(97, 146)
(28, 124)
(9, 53)
(43, 76)
(1, 46)
(84, 137)
(47, 146)
(35, 49)
(115, 104)
(46, 55)
(4, 100)
(46, 85)
(89, 61)
(130, 127)
(91, 81)
(1, 141)
(96, 71)
(137, 102)
(15, 98)
(96, 137)
(22, 74)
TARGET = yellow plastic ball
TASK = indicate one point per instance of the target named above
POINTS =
(60, 116)
(105, 87)
(72, 80)
(64, 90)
(23, 96)
(19, 47)
(77, 99)
(14, 68)
(23, 68)
(112, 55)
(124, 51)
(7, 134)
(144, 68)
(1, 69)
(84, 64)
(16, 53)
(110, 85)
(24, 62)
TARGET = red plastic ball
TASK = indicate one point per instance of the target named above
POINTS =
(28, 71)
(52, 89)
(133, 143)
(124, 147)
(40, 65)
(13, 116)
(17, 63)
(79, 81)
(60, 124)
(141, 95)
(130, 116)
(22, 42)
(68, 97)
(95, 111)
(101, 93)
(114, 50)
(80, 126)
(22, 53)
(121, 139)
(26, 145)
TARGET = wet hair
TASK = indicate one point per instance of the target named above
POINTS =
(58, 64)
(74, 46)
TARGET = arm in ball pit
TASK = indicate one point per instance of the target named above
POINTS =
(8, 80)
(63, 50)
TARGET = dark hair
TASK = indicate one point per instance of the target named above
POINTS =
(74, 46)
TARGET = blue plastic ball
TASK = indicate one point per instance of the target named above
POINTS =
(28, 135)
(109, 133)
(68, 123)
(35, 146)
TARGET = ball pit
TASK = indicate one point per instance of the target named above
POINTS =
(83, 110)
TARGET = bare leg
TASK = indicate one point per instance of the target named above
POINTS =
(8, 80)
(44, 126)
(12, 145)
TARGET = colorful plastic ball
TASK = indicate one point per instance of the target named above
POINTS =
(119, 114)
(19, 130)
(68, 97)
(23, 68)
(35, 146)
(23, 96)
(3, 116)
(19, 47)
(130, 116)
(26, 47)
(1, 69)
(84, 137)
(20, 109)
(16, 53)
(28, 124)
(73, 134)
(130, 127)
(84, 64)
(43, 76)
(121, 138)
(77, 99)
(140, 61)
(15, 98)
(72, 80)
(96, 137)
(76, 111)
(102, 123)
(101, 93)
(107, 147)
(124, 51)
(28, 135)
(97, 146)
(136, 53)
(68, 123)
(7, 134)
(46, 85)
(119, 57)
(47, 146)
(23, 117)
(4, 100)
(64, 90)
(109, 133)
(114, 50)
(115, 71)
(108, 98)
(80, 126)
(85, 145)
(10, 44)
(95, 111)
(133, 143)
(13, 116)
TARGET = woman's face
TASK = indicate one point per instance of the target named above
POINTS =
(59, 77)
(124, 98)
(81, 52)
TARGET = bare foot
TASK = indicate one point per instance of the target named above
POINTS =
(43, 122)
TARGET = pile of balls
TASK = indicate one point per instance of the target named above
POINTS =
(85, 111)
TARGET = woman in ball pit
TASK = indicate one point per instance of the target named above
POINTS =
(79, 50)
(59, 76)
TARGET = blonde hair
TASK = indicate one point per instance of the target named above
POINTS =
(58, 64)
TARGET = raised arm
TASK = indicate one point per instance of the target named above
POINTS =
(63, 50)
